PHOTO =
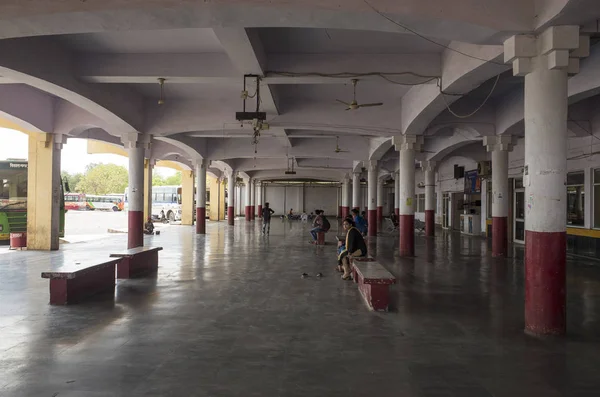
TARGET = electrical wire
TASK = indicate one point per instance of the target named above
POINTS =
(427, 38)
(350, 75)
(478, 108)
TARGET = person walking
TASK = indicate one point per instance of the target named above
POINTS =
(267, 212)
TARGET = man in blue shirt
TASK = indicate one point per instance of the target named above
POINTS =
(361, 223)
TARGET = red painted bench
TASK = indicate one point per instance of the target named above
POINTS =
(374, 283)
(367, 258)
(73, 283)
(136, 262)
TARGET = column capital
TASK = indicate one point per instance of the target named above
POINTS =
(408, 142)
(151, 162)
(136, 140)
(428, 165)
(499, 142)
(59, 140)
(559, 47)
(198, 163)
(370, 165)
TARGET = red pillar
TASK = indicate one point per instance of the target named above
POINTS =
(545, 282)
(260, 210)
(499, 236)
(230, 216)
(429, 223)
(200, 220)
(397, 211)
(135, 231)
(379, 214)
(345, 212)
(407, 235)
(253, 212)
(247, 214)
(340, 211)
(372, 220)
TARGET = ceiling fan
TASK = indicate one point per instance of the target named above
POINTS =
(337, 146)
(354, 105)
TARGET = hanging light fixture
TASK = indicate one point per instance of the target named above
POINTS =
(161, 81)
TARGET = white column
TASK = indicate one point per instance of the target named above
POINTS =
(428, 168)
(252, 199)
(396, 190)
(380, 197)
(356, 202)
(231, 177)
(372, 196)
(200, 171)
(136, 146)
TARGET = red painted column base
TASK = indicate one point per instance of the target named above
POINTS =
(499, 236)
(230, 216)
(247, 213)
(407, 235)
(200, 220)
(345, 212)
(135, 229)
(379, 214)
(372, 220)
(64, 291)
(397, 212)
(339, 211)
(545, 282)
(253, 212)
(429, 223)
(260, 211)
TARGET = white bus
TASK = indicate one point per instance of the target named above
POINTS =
(166, 202)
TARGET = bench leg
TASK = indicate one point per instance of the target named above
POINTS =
(138, 265)
(376, 296)
(65, 291)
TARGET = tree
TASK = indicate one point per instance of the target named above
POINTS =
(157, 179)
(71, 179)
(103, 179)
(173, 179)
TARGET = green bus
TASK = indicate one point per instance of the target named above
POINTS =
(13, 200)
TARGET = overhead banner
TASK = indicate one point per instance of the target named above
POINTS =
(472, 182)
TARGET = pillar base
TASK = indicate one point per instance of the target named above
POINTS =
(135, 229)
(339, 211)
(499, 236)
(200, 220)
(230, 216)
(253, 212)
(429, 223)
(345, 212)
(260, 211)
(397, 212)
(247, 213)
(372, 219)
(407, 235)
(379, 214)
(545, 282)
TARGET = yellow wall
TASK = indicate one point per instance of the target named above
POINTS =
(217, 199)
(147, 190)
(187, 198)
(39, 192)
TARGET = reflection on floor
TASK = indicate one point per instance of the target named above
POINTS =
(229, 315)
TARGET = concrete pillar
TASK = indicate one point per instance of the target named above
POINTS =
(217, 199)
(231, 198)
(345, 196)
(397, 193)
(356, 190)
(248, 200)
(545, 62)
(148, 172)
(200, 169)
(43, 191)
(252, 199)
(499, 146)
(372, 197)
(380, 199)
(407, 145)
(259, 198)
(187, 198)
(429, 171)
(136, 145)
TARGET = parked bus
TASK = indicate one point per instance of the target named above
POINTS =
(166, 202)
(13, 199)
(89, 202)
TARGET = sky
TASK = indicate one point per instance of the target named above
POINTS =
(74, 153)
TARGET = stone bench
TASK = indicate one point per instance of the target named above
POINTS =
(73, 283)
(137, 261)
(357, 259)
(373, 283)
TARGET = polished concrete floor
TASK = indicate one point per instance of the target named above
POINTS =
(229, 315)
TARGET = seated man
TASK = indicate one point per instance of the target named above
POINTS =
(320, 224)
(359, 222)
(355, 247)
(149, 227)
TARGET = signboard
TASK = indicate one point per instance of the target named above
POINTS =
(13, 165)
(472, 182)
